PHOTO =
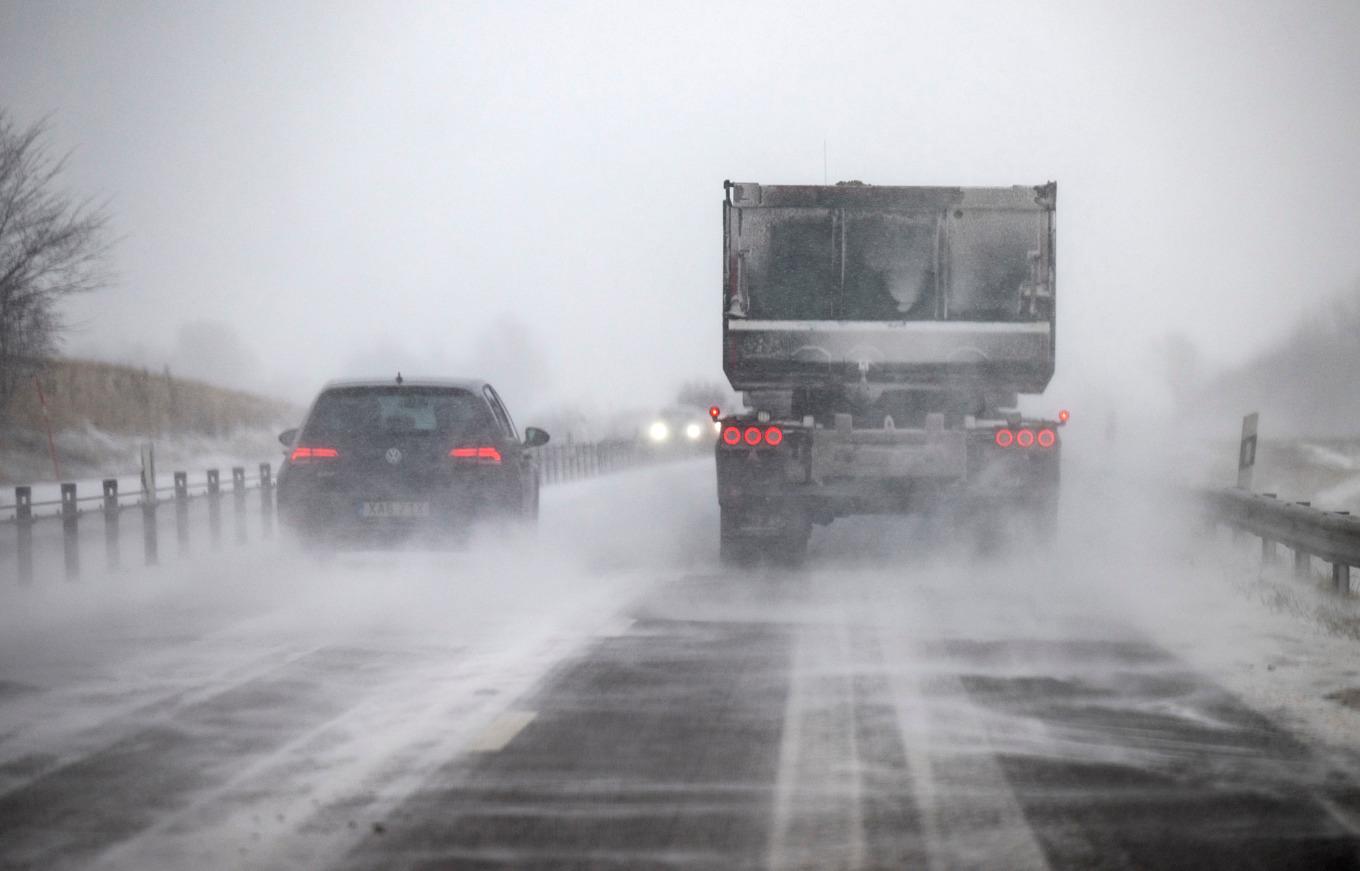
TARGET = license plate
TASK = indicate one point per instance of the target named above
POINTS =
(394, 509)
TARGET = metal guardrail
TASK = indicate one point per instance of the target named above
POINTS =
(1332, 536)
(559, 463)
(112, 505)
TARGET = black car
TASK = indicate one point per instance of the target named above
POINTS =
(376, 460)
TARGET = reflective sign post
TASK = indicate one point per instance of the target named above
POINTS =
(1246, 454)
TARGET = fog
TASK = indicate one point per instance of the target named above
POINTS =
(530, 193)
(370, 187)
(313, 701)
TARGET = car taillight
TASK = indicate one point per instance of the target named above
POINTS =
(1004, 438)
(484, 454)
(731, 435)
(752, 435)
(773, 435)
(1046, 438)
(1025, 438)
(312, 453)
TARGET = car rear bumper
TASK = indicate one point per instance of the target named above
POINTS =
(340, 516)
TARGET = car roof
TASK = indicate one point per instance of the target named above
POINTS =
(473, 385)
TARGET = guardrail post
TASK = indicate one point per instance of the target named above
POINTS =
(266, 501)
(215, 508)
(182, 512)
(70, 530)
(1341, 577)
(112, 543)
(150, 545)
(23, 525)
(238, 492)
(1303, 563)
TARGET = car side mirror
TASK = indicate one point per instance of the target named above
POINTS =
(534, 437)
(286, 437)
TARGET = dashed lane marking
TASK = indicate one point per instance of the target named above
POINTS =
(501, 731)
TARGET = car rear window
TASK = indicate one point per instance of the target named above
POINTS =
(382, 412)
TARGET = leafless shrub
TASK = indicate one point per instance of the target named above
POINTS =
(51, 246)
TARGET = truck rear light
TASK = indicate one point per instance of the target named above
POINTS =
(1046, 438)
(312, 453)
(731, 435)
(1025, 438)
(482, 454)
(752, 435)
(773, 435)
(1004, 438)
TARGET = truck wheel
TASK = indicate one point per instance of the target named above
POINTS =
(735, 547)
(1043, 511)
(790, 548)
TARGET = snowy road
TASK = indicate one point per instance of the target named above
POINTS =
(605, 696)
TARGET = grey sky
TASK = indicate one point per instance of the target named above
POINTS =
(350, 184)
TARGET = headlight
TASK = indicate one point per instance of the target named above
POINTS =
(659, 432)
(693, 431)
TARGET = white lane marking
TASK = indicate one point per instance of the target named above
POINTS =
(501, 731)
(785, 781)
(921, 718)
(856, 833)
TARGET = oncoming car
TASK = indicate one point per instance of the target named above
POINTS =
(376, 460)
(679, 430)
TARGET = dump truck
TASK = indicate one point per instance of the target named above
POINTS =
(881, 337)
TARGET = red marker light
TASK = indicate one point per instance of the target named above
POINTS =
(1046, 438)
(1004, 438)
(714, 412)
(731, 435)
(308, 453)
(1025, 438)
(1064, 415)
(486, 453)
(773, 436)
(752, 435)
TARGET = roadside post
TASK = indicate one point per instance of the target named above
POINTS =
(70, 529)
(23, 525)
(182, 512)
(215, 508)
(238, 493)
(150, 546)
(1246, 453)
(266, 501)
(112, 544)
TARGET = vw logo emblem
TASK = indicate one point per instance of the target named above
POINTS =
(393, 456)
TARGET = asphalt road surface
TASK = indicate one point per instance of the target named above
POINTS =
(603, 695)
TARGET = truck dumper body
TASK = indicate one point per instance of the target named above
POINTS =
(881, 336)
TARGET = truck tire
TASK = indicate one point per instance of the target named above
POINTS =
(786, 548)
(735, 548)
(790, 548)
(1043, 511)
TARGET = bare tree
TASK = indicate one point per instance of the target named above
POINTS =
(51, 246)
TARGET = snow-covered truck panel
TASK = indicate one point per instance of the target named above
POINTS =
(913, 286)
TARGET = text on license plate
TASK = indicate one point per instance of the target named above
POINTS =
(394, 509)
